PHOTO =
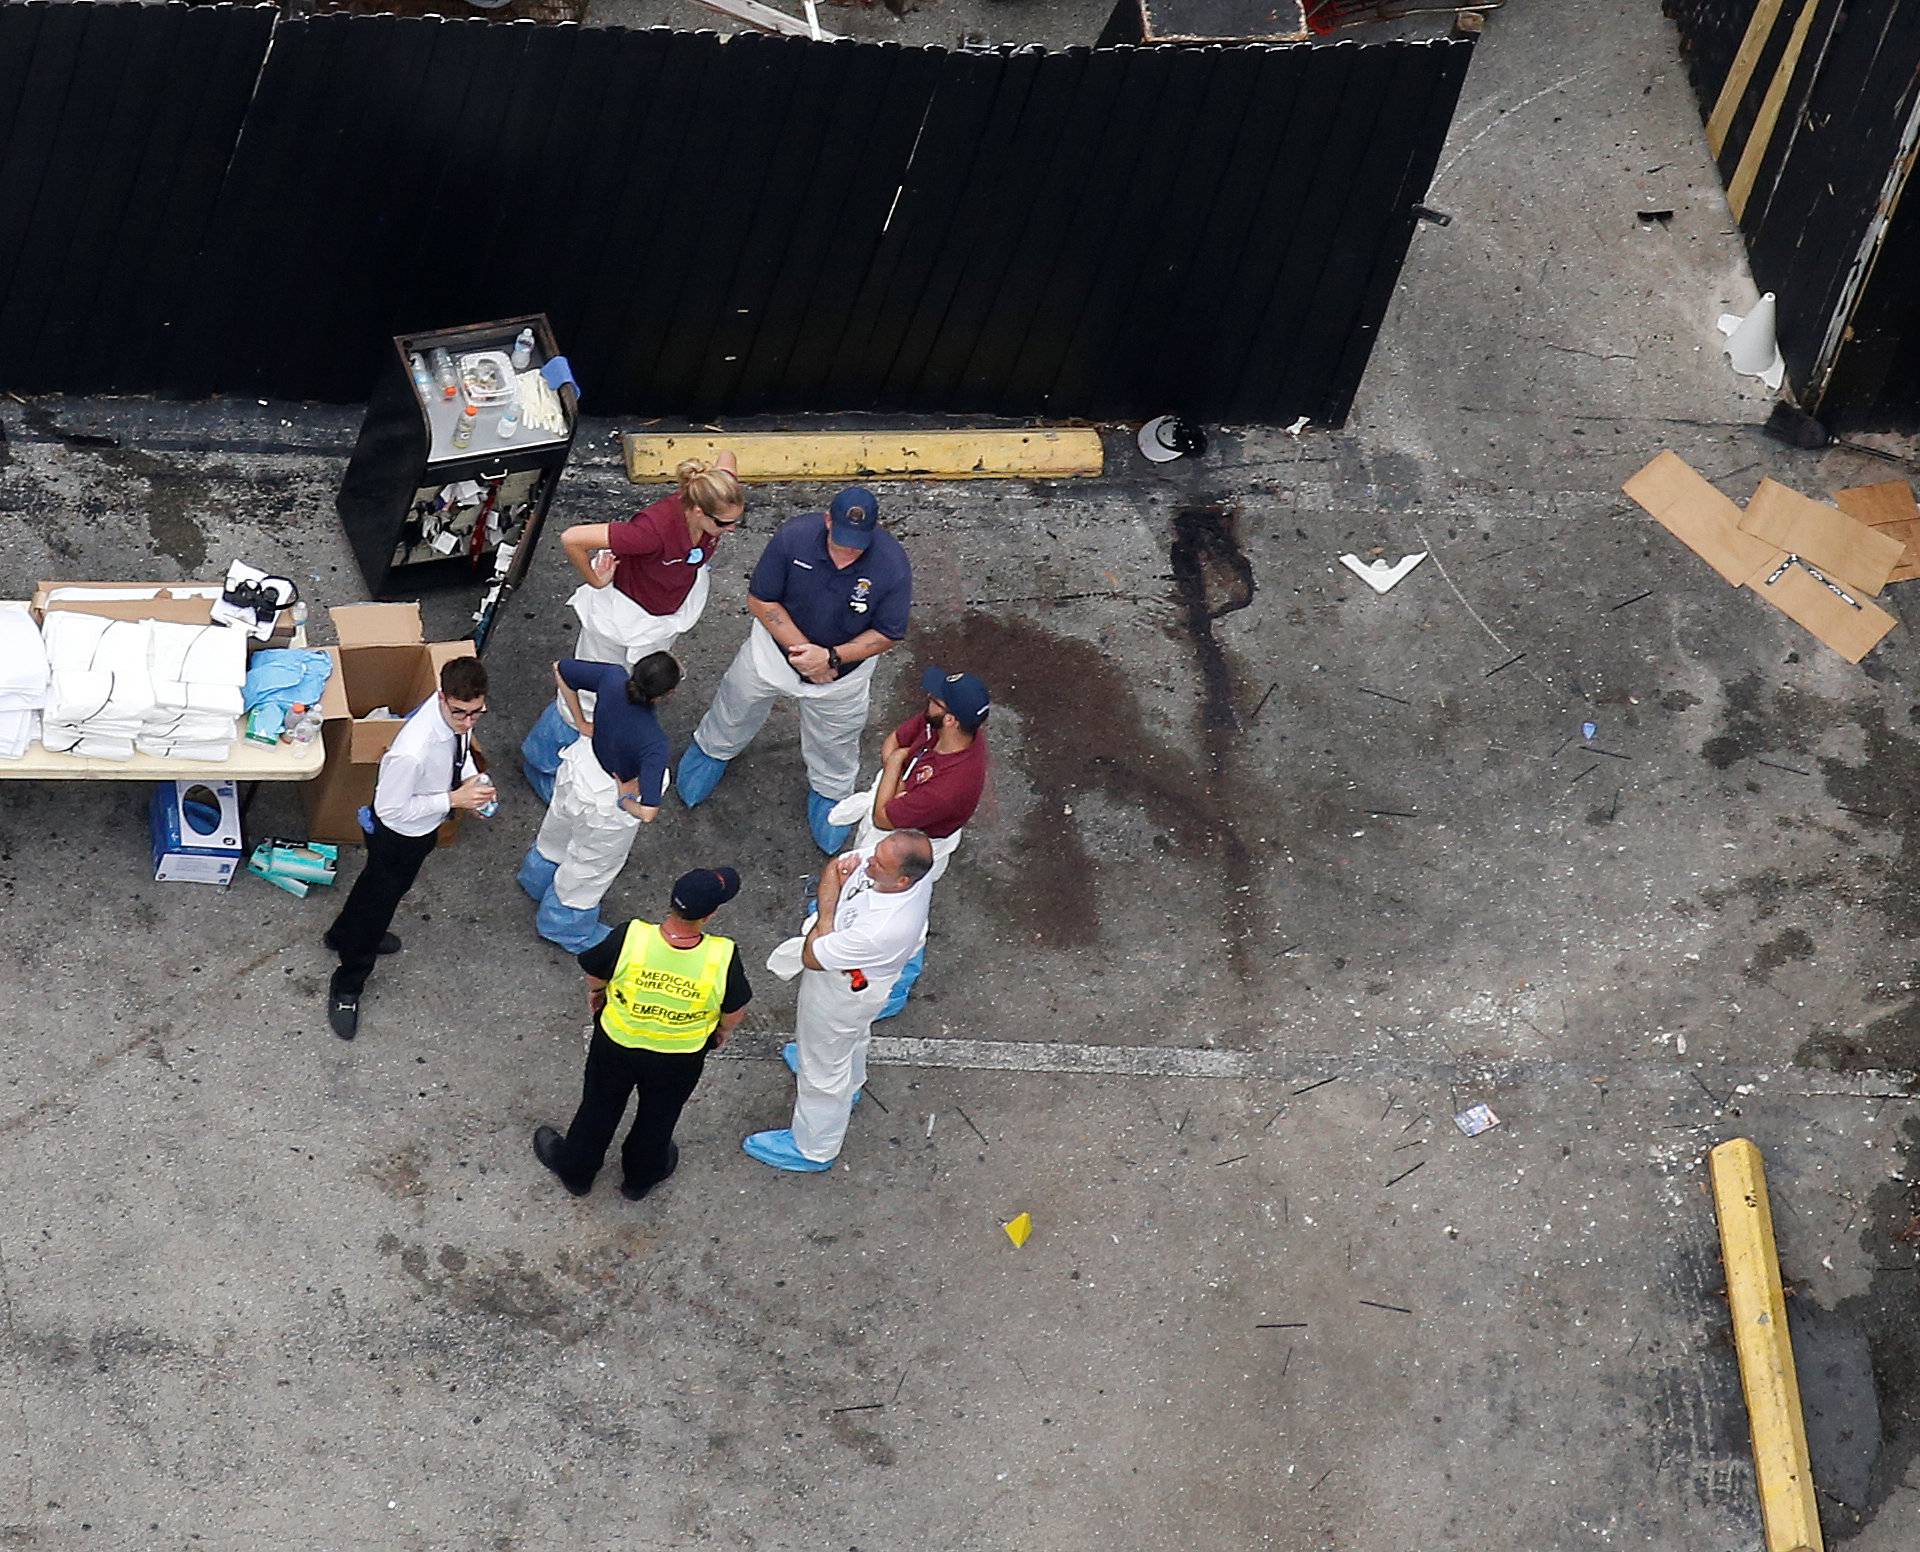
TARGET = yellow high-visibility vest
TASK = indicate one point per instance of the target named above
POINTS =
(663, 998)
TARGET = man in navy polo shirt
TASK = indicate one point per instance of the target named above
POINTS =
(830, 594)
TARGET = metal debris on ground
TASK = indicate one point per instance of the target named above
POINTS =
(1476, 1119)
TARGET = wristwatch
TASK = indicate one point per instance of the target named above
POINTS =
(833, 661)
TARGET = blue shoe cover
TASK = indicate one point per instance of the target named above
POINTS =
(536, 875)
(699, 773)
(897, 998)
(790, 1053)
(576, 931)
(827, 835)
(777, 1149)
(541, 749)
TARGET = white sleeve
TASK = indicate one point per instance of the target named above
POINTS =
(849, 948)
(397, 795)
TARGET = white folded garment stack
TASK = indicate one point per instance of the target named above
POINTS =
(198, 671)
(66, 741)
(23, 660)
(23, 680)
(100, 689)
(157, 686)
(17, 730)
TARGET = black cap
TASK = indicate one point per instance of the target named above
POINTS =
(699, 894)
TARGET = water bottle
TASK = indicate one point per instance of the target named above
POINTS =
(492, 806)
(422, 378)
(305, 724)
(443, 374)
(523, 351)
(509, 421)
(463, 431)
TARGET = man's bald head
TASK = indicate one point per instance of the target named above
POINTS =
(905, 857)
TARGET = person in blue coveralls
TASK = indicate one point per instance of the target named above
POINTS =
(830, 593)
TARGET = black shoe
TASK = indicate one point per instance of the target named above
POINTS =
(547, 1148)
(634, 1194)
(343, 1013)
(389, 944)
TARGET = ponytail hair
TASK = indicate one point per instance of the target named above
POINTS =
(708, 488)
(653, 678)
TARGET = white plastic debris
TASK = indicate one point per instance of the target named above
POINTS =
(1377, 574)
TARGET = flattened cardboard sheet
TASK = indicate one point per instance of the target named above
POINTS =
(1889, 508)
(1681, 501)
(1850, 631)
(1878, 506)
(1847, 550)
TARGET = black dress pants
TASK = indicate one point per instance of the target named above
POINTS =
(665, 1081)
(393, 863)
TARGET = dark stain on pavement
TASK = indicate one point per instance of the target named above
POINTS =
(1211, 578)
(1082, 728)
(1890, 885)
(500, 1287)
(176, 492)
(1770, 956)
(1754, 724)
(872, 1448)
(1786, 724)
(1890, 1242)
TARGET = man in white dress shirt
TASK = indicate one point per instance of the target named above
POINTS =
(873, 918)
(426, 773)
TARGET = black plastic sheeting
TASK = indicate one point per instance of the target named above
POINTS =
(118, 123)
(731, 226)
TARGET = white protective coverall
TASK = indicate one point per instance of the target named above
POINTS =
(832, 715)
(615, 629)
(875, 934)
(586, 832)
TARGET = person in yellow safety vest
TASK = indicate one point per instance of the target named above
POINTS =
(662, 997)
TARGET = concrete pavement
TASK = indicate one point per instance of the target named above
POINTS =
(1251, 828)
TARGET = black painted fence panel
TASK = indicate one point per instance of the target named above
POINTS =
(1821, 179)
(755, 225)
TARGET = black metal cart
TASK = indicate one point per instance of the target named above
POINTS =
(421, 510)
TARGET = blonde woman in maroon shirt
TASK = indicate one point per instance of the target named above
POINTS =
(644, 584)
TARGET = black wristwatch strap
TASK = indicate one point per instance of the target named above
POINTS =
(833, 659)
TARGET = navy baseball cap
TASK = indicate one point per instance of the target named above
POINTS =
(965, 695)
(854, 515)
(699, 894)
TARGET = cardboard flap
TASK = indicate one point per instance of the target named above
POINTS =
(1706, 522)
(1848, 551)
(377, 625)
(1890, 509)
(371, 739)
(1852, 630)
(333, 699)
(444, 652)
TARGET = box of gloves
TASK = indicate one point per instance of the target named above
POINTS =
(195, 827)
(382, 669)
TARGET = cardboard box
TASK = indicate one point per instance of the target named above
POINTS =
(195, 827)
(181, 603)
(382, 660)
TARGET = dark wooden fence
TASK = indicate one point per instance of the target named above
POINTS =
(718, 226)
(1811, 111)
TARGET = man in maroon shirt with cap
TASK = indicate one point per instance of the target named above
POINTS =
(933, 769)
